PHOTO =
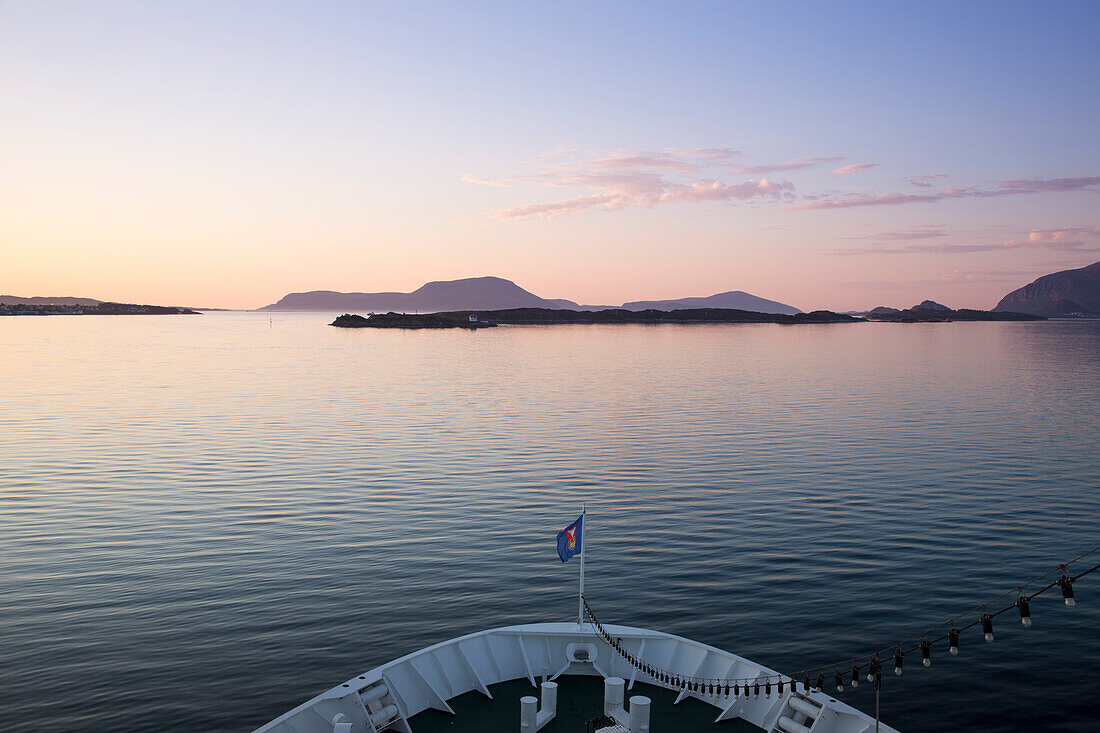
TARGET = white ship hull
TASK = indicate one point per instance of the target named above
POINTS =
(386, 698)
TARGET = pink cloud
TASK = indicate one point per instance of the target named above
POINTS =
(485, 181)
(623, 178)
(955, 249)
(882, 199)
(1001, 188)
(554, 209)
(854, 168)
(682, 160)
(1062, 234)
(718, 191)
(919, 233)
(790, 165)
(1040, 185)
(925, 181)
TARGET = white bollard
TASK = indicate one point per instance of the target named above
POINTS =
(790, 726)
(549, 707)
(804, 706)
(384, 716)
(375, 693)
(613, 692)
(528, 714)
(639, 714)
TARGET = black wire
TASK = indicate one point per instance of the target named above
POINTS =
(885, 652)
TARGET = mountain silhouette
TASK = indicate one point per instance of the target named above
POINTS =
(1065, 293)
(496, 293)
(735, 299)
(472, 293)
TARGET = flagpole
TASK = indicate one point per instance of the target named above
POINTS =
(584, 548)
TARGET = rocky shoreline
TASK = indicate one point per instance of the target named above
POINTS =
(98, 309)
(547, 316)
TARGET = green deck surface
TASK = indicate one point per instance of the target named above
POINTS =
(579, 699)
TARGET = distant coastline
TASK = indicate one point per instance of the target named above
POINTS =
(93, 309)
(549, 317)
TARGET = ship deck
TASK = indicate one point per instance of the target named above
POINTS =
(580, 699)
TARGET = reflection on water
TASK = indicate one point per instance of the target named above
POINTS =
(207, 520)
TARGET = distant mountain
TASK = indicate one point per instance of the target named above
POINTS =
(1066, 293)
(47, 300)
(494, 293)
(882, 310)
(473, 293)
(929, 305)
(735, 299)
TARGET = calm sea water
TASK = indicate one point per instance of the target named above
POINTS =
(206, 520)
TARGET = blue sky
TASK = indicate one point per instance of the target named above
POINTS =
(856, 154)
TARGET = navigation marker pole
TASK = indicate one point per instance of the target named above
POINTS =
(584, 546)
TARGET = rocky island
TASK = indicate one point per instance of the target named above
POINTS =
(929, 311)
(94, 308)
(548, 316)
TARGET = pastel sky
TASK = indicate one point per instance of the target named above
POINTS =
(827, 155)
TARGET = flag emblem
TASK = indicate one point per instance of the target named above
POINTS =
(570, 539)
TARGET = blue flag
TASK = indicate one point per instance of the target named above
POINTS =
(569, 539)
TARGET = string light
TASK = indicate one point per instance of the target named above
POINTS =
(1064, 582)
(1067, 590)
(1025, 612)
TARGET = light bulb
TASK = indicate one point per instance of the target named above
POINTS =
(855, 677)
(987, 627)
(1067, 590)
(1025, 611)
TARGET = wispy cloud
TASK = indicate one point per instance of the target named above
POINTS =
(853, 168)
(882, 199)
(1061, 239)
(925, 181)
(1063, 234)
(954, 277)
(578, 205)
(999, 188)
(623, 178)
(791, 165)
(485, 181)
(926, 232)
